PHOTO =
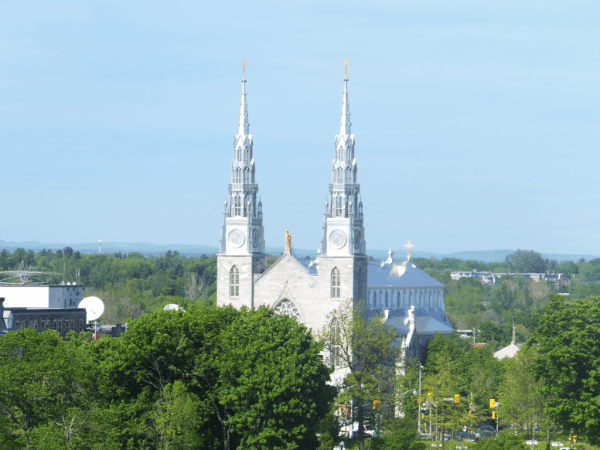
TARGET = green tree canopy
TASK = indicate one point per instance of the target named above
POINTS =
(568, 344)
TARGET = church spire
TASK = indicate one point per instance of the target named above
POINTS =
(244, 126)
(243, 232)
(344, 208)
(345, 124)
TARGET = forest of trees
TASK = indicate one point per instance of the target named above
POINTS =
(200, 379)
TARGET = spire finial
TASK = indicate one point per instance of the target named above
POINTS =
(244, 64)
(408, 246)
(345, 62)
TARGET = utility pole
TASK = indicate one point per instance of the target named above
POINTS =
(420, 367)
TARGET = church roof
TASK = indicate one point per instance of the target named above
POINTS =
(426, 322)
(399, 274)
(508, 352)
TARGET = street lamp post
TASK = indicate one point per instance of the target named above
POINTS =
(420, 367)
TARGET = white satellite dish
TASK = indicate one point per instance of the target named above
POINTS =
(171, 307)
(94, 307)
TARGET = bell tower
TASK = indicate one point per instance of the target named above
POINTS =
(343, 245)
(242, 243)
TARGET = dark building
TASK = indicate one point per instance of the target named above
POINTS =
(62, 320)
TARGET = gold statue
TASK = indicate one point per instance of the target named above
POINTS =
(288, 240)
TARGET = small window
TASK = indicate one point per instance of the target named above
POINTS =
(234, 282)
(335, 283)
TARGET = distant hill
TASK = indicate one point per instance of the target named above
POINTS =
(144, 248)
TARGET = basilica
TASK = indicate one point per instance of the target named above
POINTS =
(407, 297)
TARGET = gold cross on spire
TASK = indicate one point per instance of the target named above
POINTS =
(345, 62)
(244, 64)
(408, 246)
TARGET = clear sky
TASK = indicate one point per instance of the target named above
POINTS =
(476, 122)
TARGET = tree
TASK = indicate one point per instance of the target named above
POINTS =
(526, 261)
(520, 395)
(505, 441)
(400, 434)
(46, 390)
(568, 344)
(249, 378)
(368, 350)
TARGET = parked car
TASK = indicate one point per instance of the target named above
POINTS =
(531, 442)
(557, 444)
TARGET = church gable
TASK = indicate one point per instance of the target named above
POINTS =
(286, 268)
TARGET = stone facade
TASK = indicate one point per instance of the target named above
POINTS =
(289, 286)
(408, 298)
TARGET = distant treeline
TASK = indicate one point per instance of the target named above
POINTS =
(128, 284)
(522, 261)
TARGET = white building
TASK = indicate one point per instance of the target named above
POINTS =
(311, 290)
(39, 296)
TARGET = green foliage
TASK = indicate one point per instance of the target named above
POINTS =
(365, 348)
(527, 261)
(399, 434)
(207, 378)
(130, 285)
(504, 441)
(568, 344)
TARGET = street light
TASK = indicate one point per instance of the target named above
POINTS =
(420, 368)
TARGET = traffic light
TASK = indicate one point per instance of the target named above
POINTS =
(575, 438)
(343, 409)
(430, 394)
(492, 403)
(422, 415)
(419, 399)
(375, 404)
(493, 415)
(456, 398)
(570, 437)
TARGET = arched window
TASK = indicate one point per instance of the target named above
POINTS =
(335, 345)
(238, 206)
(238, 176)
(234, 282)
(335, 283)
(287, 308)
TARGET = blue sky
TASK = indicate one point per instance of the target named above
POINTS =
(476, 122)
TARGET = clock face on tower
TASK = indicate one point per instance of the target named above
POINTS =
(236, 238)
(338, 239)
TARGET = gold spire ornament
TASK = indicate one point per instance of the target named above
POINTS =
(408, 246)
(288, 240)
(345, 62)
(244, 64)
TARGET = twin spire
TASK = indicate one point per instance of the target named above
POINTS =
(244, 127)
